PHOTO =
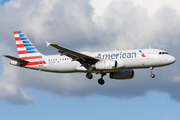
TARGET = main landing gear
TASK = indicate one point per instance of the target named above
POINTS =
(152, 75)
(89, 75)
(100, 81)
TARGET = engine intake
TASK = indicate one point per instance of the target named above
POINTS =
(124, 74)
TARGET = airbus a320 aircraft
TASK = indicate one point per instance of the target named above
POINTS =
(119, 64)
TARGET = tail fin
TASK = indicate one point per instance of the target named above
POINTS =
(25, 48)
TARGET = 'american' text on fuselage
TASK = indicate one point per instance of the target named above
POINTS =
(116, 55)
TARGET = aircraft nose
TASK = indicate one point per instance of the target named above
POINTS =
(172, 59)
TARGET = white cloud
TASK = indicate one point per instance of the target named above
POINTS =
(88, 25)
(13, 4)
(153, 5)
(14, 94)
(176, 79)
(10, 91)
(99, 6)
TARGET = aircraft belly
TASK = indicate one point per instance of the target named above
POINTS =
(140, 63)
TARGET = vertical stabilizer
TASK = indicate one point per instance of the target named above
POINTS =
(24, 46)
(27, 51)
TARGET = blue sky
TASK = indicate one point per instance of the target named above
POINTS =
(155, 105)
(90, 25)
(3, 1)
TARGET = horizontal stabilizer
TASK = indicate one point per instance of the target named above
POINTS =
(16, 59)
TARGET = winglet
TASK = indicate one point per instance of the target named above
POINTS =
(48, 44)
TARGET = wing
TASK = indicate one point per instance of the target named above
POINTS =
(16, 59)
(82, 58)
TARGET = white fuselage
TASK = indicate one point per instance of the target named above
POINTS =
(132, 59)
(118, 64)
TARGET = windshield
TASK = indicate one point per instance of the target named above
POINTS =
(161, 53)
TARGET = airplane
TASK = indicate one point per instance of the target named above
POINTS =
(119, 64)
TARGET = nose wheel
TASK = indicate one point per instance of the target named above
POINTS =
(152, 75)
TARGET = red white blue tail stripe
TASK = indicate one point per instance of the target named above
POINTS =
(24, 46)
(26, 50)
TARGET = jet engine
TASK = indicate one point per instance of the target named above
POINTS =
(108, 65)
(105, 65)
(120, 64)
(124, 74)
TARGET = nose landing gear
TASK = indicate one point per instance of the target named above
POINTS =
(152, 75)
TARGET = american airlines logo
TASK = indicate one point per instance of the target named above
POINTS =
(120, 55)
(142, 54)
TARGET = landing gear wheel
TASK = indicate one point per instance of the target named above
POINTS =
(152, 75)
(89, 75)
(101, 81)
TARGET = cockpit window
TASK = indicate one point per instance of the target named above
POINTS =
(163, 53)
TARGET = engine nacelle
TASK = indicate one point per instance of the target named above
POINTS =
(120, 64)
(124, 74)
(105, 65)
